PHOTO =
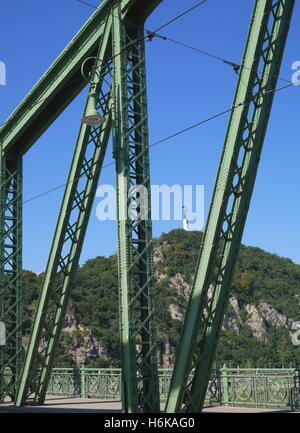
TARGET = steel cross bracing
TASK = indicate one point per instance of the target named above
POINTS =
(68, 239)
(10, 274)
(63, 80)
(230, 203)
(139, 378)
(73, 218)
(108, 35)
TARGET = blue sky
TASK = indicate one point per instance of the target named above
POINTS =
(183, 88)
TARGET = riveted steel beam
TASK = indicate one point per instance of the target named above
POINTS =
(130, 133)
(49, 97)
(62, 82)
(69, 235)
(230, 203)
(11, 354)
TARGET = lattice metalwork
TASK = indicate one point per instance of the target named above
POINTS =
(230, 203)
(295, 391)
(68, 239)
(123, 43)
(11, 274)
(260, 387)
(65, 381)
(103, 383)
(140, 381)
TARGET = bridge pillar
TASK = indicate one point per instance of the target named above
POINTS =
(10, 273)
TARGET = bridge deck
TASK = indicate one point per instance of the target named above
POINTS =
(88, 405)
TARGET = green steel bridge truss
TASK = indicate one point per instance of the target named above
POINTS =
(114, 37)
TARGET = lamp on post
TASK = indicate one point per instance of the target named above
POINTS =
(92, 117)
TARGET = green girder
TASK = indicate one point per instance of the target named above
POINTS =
(68, 239)
(62, 82)
(74, 216)
(114, 34)
(230, 203)
(139, 378)
(10, 274)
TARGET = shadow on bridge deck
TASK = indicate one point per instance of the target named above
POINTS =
(66, 405)
(60, 404)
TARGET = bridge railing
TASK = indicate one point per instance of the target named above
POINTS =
(261, 388)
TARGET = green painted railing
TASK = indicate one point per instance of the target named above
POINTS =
(261, 388)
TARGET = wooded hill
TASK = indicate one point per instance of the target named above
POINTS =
(264, 302)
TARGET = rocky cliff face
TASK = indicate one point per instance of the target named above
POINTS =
(263, 317)
(77, 342)
(83, 348)
(81, 345)
(259, 318)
